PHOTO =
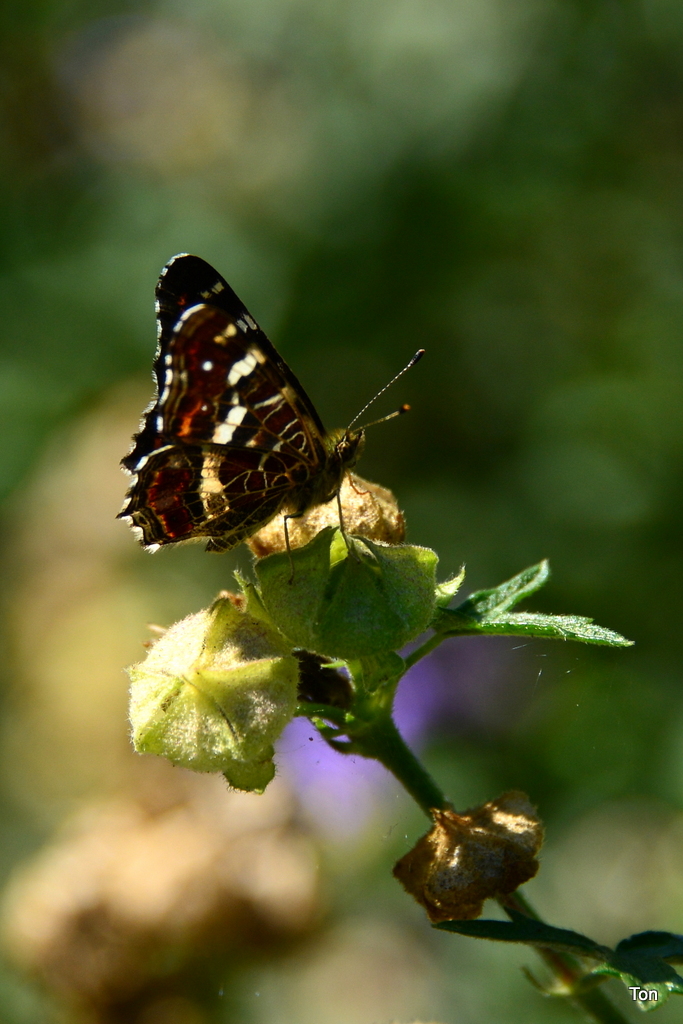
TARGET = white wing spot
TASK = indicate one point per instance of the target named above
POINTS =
(236, 415)
(252, 323)
(224, 431)
(210, 482)
(242, 368)
(160, 424)
(223, 434)
(207, 365)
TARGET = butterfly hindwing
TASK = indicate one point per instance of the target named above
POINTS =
(186, 491)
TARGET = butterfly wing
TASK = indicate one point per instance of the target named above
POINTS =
(188, 281)
(187, 492)
(231, 434)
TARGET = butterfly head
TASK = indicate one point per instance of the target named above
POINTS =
(349, 447)
(348, 444)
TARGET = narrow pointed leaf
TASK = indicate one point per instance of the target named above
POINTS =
(532, 624)
(530, 932)
(666, 945)
(488, 604)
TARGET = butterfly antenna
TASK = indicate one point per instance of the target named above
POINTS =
(404, 408)
(391, 416)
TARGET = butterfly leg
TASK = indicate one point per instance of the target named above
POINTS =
(290, 515)
(351, 550)
(341, 521)
(356, 489)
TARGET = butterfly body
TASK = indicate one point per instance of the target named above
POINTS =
(231, 438)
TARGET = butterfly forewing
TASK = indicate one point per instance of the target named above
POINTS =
(188, 281)
(231, 437)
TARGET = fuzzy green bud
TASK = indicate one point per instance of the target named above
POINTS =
(214, 692)
(349, 602)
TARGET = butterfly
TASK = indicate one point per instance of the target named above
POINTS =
(231, 438)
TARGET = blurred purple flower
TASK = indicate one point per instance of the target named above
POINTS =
(465, 685)
(339, 792)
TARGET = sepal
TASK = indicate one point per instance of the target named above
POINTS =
(214, 693)
(349, 601)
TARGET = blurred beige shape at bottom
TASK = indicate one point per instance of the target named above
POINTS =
(182, 868)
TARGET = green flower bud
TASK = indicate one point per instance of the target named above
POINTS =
(214, 692)
(349, 604)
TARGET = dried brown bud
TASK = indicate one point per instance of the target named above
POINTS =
(369, 511)
(467, 858)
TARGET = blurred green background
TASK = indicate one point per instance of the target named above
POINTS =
(500, 183)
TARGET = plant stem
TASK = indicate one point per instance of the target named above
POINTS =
(424, 649)
(384, 742)
(569, 972)
(381, 740)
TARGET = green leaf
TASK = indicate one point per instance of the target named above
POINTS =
(532, 624)
(642, 960)
(488, 612)
(664, 944)
(531, 932)
(639, 961)
(489, 604)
